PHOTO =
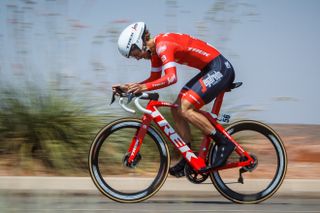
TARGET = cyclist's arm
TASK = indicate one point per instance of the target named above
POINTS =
(165, 56)
(169, 78)
(154, 75)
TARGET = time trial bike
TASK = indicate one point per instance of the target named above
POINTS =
(129, 158)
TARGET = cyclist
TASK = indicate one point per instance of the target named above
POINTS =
(165, 50)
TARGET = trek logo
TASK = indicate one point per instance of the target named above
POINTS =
(159, 84)
(174, 137)
(130, 40)
(134, 28)
(198, 51)
(135, 147)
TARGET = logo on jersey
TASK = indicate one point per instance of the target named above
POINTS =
(172, 79)
(210, 80)
(198, 51)
(163, 58)
(161, 48)
(227, 64)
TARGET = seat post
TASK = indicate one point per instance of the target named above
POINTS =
(217, 104)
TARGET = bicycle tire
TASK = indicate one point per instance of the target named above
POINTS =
(102, 184)
(281, 168)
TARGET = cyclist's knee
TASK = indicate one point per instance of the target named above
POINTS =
(186, 109)
(176, 110)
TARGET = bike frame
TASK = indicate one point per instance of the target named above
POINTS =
(196, 162)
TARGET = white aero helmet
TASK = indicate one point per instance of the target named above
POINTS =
(131, 35)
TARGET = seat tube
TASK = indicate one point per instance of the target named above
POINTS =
(204, 147)
(217, 104)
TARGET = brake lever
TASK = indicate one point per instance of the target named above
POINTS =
(130, 97)
(113, 98)
(118, 91)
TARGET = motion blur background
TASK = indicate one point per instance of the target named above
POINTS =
(59, 58)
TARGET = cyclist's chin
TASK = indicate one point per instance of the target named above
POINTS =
(147, 56)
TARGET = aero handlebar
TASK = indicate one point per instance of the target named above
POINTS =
(138, 97)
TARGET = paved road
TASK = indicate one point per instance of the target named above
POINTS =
(73, 194)
(13, 202)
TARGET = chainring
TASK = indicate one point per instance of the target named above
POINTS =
(193, 176)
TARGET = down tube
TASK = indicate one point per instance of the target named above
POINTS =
(176, 140)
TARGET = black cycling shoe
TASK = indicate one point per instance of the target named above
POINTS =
(224, 149)
(178, 169)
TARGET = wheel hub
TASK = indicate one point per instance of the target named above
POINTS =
(134, 163)
(251, 166)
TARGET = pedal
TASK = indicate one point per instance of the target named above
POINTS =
(224, 118)
(206, 169)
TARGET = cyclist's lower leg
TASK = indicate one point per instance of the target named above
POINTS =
(225, 147)
(181, 125)
(183, 129)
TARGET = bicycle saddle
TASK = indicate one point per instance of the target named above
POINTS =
(234, 85)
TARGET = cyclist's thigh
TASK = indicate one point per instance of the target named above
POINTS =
(189, 94)
(220, 75)
(212, 80)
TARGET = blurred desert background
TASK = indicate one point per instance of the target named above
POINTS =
(59, 58)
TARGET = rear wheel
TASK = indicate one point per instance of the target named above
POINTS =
(110, 171)
(259, 181)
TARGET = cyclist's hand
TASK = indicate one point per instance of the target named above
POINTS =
(137, 88)
(118, 88)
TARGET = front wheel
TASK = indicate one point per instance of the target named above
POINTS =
(108, 162)
(261, 180)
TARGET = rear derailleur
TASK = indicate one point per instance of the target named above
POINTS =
(248, 168)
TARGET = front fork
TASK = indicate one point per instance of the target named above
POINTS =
(137, 140)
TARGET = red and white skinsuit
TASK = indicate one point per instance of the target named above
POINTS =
(179, 48)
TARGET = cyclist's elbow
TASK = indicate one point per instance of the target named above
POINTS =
(172, 79)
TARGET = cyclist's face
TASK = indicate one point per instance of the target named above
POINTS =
(138, 54)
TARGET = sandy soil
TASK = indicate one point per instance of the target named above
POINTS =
(302, 143)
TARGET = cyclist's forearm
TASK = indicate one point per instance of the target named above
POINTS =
(169, 78)
(153, 76)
